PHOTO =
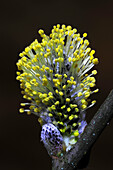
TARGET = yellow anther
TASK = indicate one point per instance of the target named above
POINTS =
(21, 110)
(53, 107)
(81, 42)
(76, 133)
(50, 115)
(84, 106)
(69, 82)
(76, 116)
(36, 110)
(68, 109)
(69, 27)
(61, 123)
(92, 52)
(22, 104)
(74, 83)
(59, 76)
(87, 94)
(95, 91)
(71, 47)
(63, 130)
(18, 73)
(38, 67)
(61, 40)
(63, 26)
(95, 61)
(56, 41)
(67, 99)
(64, 86)
(48, 50)
(71, 117)
(69, 59)
(74, 124)
(78, 39)
(34, 68)
(76, 110)
(37, 102)
(57, 102)
(73, 105)
(18, 77)
(91, 58)
(85, 35)
(82, 85)
(63, 106)
(65, 75)
(21, 54)
(27, 49)
(49, 108)
(86, 42)
(94, 72)
(24, 59)
(93, 102)
(45, 95)
(79, 94)
(59, 114)
(75, 53)
(74, 35)
(55, 80)
(65, 116)
(50, 93)
(83, 101)
(61, 93)
(92, 79)
(45, 100)
(88, 78)
(91, 84)
(51, 71)
(45, 55)
(37, 75)
(56, 75)
(73, 59)
(34, 92)
(59, 53)
(44, 81)
(40, 31)
(40, 121)
(72, 78)
(28, 85)
(22, 92)
(56, 91)
(66, 33)
(74, 30)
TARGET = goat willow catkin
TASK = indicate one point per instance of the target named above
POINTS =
(55, 78)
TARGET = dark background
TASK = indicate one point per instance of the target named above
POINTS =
(20, 146)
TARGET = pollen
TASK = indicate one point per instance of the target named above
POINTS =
(61, 93)
(68, 109)
(95, 61)
(79, 94)
(67, 99)
(76, 133)
(21, 110)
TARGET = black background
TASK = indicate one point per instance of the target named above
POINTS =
(20, 146)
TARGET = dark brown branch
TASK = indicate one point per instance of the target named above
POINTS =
(91, 133)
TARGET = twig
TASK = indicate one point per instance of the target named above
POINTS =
(71, 159)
